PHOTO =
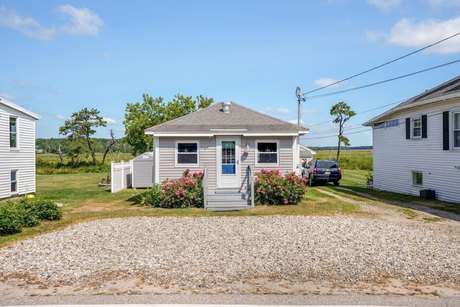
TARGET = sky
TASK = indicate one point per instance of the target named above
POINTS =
(58, 57)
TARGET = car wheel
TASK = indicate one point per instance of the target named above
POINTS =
(336, 183)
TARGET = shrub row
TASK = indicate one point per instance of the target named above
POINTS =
(271, 188)
(184, 192)
(26, 213)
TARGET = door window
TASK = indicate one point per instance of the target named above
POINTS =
(228, 158)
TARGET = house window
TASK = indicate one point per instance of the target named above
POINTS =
(267, 152)
(187, 153)
(457, 130)
(13, 132)
(379, 125)
(392, 123)
(14, 181)
(417, 178)
(416, 127)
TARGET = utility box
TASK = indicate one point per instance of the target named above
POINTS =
(142, 171)
(427, 194)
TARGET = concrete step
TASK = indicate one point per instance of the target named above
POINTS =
(227, 197)
(226, 191)
(229, 207)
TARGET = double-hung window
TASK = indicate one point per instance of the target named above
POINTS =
(417, 178)
(267, 152)
(456, 131)
(416, 127)
(187, 153)
(14, 182)
(13, 132)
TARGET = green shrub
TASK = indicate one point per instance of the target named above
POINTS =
(44, 210)
(272, 188)
(152, 197)
(11, 220)
(184, 192)
(26, 213)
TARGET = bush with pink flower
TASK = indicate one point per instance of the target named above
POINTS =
(273, 188)
(184, 192)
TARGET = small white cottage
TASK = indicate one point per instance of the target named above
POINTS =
(230, 143)
(417, 144)
(17, 150)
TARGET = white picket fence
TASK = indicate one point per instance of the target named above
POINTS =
(121, 176)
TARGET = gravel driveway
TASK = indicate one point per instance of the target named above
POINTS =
(208, 252)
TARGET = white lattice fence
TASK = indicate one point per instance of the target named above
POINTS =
(120, 176)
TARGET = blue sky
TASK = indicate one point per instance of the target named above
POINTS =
(60, 56)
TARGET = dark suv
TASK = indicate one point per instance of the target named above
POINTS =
(323, 171)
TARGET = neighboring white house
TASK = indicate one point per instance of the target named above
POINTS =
(17, 150)
(231, 142)
(417, 144)
(306, 154)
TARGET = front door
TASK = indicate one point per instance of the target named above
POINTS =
(228, 160)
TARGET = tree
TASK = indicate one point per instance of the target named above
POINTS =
(80, 128)
(112, 142)
(154, 111)
(342, 113)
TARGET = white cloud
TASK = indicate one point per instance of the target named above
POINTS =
(83, 21)
(283, 111)
(277, 110)
(78, 21)
(325, 82)
(34, 87)
(407, 33)
(385, 5)
(294, 121)
(7, 96)
(107, 56)
(444, 3)
(110, 121)
(60, 117)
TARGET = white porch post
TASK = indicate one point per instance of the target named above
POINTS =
(156, 159)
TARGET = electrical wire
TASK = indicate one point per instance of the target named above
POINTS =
(383, 81)
(384, 64)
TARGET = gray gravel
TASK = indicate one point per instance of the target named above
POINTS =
(206, 251)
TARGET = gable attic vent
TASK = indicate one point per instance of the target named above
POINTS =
(226, 106)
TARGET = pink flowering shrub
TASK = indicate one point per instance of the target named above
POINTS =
(273, 188)
(184, 192)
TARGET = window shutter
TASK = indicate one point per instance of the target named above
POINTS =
(445, 130)
(408, 128)
(424, 126)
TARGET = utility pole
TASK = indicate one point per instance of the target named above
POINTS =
(298, 93)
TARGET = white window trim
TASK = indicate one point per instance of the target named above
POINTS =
(17, 133)
(17, 182)
(452, 130)
(412, 127)
(412, 178)
(256, 151)
(197, 152)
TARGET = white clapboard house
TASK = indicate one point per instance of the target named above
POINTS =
(417, 144)
(17, 150)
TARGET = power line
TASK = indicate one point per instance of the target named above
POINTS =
(335, 135)
(359, 113)
(384, 64)
(383, 81)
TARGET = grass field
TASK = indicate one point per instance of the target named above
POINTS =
(83, 200)
(349, 159)
(47, 164)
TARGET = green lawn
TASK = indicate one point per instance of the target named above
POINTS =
(83, 200)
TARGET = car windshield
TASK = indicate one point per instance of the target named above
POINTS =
(326, 164)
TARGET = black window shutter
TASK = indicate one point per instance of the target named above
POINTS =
(445, 130)
(408, 128)
(424, 126)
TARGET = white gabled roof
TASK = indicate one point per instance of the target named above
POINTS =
(305, 148)
(442, 92)
(18, 108)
